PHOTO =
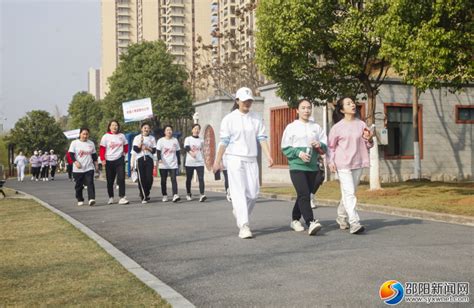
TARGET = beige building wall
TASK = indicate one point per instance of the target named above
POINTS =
(94, 82)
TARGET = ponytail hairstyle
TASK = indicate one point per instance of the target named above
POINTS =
(236, 105)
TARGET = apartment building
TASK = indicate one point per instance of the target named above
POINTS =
(93, 82)
(178, 23)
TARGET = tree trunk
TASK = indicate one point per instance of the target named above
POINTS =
(374, 151)
(416, 138)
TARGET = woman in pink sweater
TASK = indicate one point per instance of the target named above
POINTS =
(349, 144)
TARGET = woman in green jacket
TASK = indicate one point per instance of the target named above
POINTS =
(302, 142)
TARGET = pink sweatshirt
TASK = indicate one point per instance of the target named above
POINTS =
(347, 148)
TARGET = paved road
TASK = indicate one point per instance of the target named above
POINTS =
(194, 248)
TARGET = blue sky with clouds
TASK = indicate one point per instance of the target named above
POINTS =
(46, 48)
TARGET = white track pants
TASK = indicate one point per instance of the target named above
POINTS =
(20, 172)
(348, 180)
(244, 187)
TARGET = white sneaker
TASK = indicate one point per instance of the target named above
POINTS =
(116, 187)
(123, 200)
(356, 228)
(189, 198)
(245, 232)
(47, 179)
(342, 222)
(313, 204)
(145, 202)
(314, 227)
(111, 201)
(202, 198)
(91, 202)
(229, 198)
(32, 178)
(44, 180)
(176, 198)
(36, 180)
(297, 226)
(80, 203)
(165, 199)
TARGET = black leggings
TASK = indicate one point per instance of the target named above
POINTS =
(45, 172)
(145, 176)
(69, 171)
(303, 181)
(189, 176)
(115, 169)
(35, 172)
(53, 171)
(84, 178)
(164, 176)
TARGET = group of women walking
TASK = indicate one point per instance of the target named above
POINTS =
(43, 165)
(303, 143)
(114, 147)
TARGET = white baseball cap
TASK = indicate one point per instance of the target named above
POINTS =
(244, 94)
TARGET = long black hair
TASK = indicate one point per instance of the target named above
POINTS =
(337, 114)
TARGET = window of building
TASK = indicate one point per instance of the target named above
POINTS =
(400, 131)
(464, 114)
(280, 117)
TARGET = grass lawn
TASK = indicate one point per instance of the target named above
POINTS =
(451, 198)
(46, 261)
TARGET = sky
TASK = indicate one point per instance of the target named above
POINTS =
(46, 49)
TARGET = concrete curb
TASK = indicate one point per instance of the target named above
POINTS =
(390, 210)
(166, 292)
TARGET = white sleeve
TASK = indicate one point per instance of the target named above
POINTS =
(224, 132)
(103, 141)
(135, 141)
(93, 147)
(72, 147)
(177, 145)
(287, 138)
(186, 142)
(261, 134)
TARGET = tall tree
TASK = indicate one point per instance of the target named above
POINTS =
(146, 69)
(323, 49)
(84, 111)
(429, 44)
(37, 130)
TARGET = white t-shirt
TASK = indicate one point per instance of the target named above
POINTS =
(196, 145)
(168, 148)
(240, 133)
(148, 141)
(83, 151)
(113, 144)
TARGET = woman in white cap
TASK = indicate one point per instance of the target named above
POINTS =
(113, 148)
(239, 132)
(53, 162)
(35, 163)
(20, 163)
(84, 157)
